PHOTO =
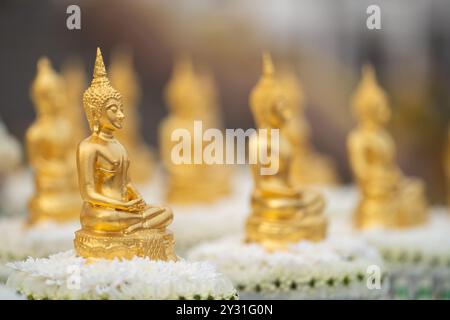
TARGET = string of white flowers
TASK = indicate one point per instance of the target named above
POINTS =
(17, 241)
(67, 276)
(333, 268)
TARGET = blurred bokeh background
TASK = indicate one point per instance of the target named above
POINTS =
(326, 41)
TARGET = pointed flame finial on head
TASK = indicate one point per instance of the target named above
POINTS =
(268, 68)
(99, 76)
(368, 73)
(43, 64)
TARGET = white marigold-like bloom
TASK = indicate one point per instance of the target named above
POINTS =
(66, 276)
(333, 268)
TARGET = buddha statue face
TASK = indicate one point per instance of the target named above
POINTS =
(370, 102)
(112, 115)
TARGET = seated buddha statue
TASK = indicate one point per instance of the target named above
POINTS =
(116, 222)
(187, 102)
(388, 198)
(281, 212)
(51, 155)
(123, 77)
(308, 166)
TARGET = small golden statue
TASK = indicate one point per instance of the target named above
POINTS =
(75, 82)
(281, 213)
(447, 166)
(123, 77)
(51, 154)
(388, 198)
(188, 102)
(308, 167)
(116, 222)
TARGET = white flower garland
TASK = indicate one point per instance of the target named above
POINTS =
(426, 245)
(333, 268)
(66, 276)
(418, 258)
(18, 242)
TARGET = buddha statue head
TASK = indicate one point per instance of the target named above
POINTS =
(183, 93)
(124, 77)
(102, 103)
(267, 101)
(370, 103)
(47, 91)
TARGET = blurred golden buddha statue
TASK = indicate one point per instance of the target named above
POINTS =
(308, 167)
(49, 142)
(188, 102)
(447, 166)
(123, 77)
(281, 213)
(75, 82)
(116, 222)
(389, 199)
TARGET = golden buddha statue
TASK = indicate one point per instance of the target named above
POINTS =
(388, 198)
(49, 142)
(187, 102)
(308, 166)
(281, 213)
(123, 77)
(116, 222)
(75, 82)
(447, 166)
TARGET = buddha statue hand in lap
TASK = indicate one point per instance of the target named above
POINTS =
(116, 222)
(281, 213)
(388, 199)
(50, 150)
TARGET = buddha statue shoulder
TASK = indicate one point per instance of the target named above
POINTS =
(50, 150)
(281, 213)
(189, 182)
(309, 167)
(124, 78)
(387, 197)
(116, 222)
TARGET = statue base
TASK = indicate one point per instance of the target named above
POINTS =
(154, 244)
(68, 276)
(275, 225)
(334, 268)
